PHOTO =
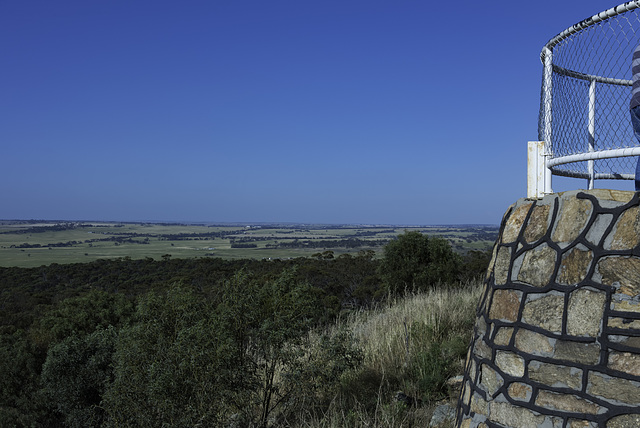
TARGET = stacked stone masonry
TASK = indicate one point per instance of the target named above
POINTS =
(557, 337)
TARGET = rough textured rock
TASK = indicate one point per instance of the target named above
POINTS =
(574, 266)
(555, 375)
(558, 342)
(514, 222)
(537, 266)
(625, 421)
(491, 380)
(505, 305)
(510, 363)
(520, 391)
(512, 416)
(545, 312)
(502, 265)
(612, 388)
(503, 336)
(585, 312)
(566, 402)
(577, 352)
(627, 231)
(443, 415)
(533, 343)
(538, 223)
(621, 271)
(625, 362)
(574, 216)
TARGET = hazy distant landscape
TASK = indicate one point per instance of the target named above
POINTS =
(30, 243)
(238, 325)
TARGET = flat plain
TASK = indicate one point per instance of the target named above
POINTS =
(35, 243)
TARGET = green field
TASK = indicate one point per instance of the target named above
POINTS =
(36, 243)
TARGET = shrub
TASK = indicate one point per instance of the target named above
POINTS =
(415, 262)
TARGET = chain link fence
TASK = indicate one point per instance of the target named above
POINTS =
(586, 88)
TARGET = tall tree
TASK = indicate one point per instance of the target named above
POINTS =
(415, 261)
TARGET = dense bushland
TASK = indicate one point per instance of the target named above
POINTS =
(320, 341)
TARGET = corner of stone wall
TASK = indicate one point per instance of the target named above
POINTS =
(557, 337)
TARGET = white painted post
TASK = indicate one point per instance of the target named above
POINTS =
(547, 107)
(536, 169)
(592, 131)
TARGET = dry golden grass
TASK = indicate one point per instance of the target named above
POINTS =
(393, 338)
(384, 333)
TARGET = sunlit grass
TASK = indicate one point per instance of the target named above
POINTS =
(403, 340)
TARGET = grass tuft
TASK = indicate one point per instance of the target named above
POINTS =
(411, 346)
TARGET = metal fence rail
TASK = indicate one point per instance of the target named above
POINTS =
(584, 104)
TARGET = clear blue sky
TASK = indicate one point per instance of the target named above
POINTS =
(397, 112)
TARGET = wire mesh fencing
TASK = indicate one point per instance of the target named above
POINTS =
(586, 88)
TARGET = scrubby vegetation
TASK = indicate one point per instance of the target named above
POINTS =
(312, 342)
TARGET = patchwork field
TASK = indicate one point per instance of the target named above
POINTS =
(36, 243)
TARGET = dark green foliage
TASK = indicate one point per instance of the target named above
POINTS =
(20, 363)
(75, 375)
(82, 315)
(168, 364)
(476, 264)
(179, 342)
(318, 376)
(434, 364)
(415, 261)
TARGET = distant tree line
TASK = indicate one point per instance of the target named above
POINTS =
(52, 245)
(324, 243)
(41, 229)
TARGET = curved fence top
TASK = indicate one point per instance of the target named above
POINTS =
(584, 104)
(617, 10)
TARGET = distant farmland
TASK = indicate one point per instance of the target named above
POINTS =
(36, 243)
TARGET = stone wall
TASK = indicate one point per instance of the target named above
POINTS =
(557, 337)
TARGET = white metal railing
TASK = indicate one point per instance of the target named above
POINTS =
(584, 129)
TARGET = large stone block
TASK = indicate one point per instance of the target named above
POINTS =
(514, 223)
(490, 379)
(574, 216)
(626, 233)
(538, 265)
(492, 264)
(502, 265)
(619, 197)
(622, 271)
(466, 423)
(538, 223)
(625, 362)
(481, 349)
(479, 405)
(534, 343)
(510, 363)
(614, 389)
(577, 352)
(545, 312)
(505, 305)
(520, 391)
(574, 266)
(503, 336)
(625, 421)
(511, 416)
(566, 402)
(584, 314)
(466, 394)
(555, 375)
